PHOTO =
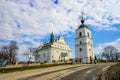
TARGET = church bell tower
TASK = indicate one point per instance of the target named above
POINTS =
(83, 44)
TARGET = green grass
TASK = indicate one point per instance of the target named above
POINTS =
(9, 70)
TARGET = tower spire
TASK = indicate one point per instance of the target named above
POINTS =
(52, 37)
(82, 20)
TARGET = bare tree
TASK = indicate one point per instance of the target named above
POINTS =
(4, 56)
(29, 54)
(117, 56)
(12, 52)
(4, 53)
(9, 52)
(111, 53)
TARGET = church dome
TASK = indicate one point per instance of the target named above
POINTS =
(82, 26)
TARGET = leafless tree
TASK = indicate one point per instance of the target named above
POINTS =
(29, 54)
(9, 52)
(4, 53)
(111, 53)
(12, 52)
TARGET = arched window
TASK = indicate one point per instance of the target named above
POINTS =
(80, 49)
(80, 34)
(80, 42)
(88, 34)
(89, 49)
(43, 54)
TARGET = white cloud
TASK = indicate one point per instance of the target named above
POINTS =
(36, 18)
(45, 16)
(100, 47)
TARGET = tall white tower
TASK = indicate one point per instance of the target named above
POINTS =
(83, 44)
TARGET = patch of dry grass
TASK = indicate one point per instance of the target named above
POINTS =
(112, 73)
(14, 69)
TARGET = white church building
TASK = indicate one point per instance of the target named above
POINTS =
(57, 50)
(83, 44)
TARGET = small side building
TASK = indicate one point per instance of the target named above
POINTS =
(54, 51)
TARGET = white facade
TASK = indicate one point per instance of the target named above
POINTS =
(56, 51)
(83, 44)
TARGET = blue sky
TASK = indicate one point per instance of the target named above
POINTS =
(30, 22)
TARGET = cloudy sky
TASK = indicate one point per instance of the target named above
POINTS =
(30, 22)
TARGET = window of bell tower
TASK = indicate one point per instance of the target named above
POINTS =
(88, 34)
(80, 49)
(80, 42)
(80, 34)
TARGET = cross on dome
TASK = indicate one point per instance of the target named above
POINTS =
(82, 21)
